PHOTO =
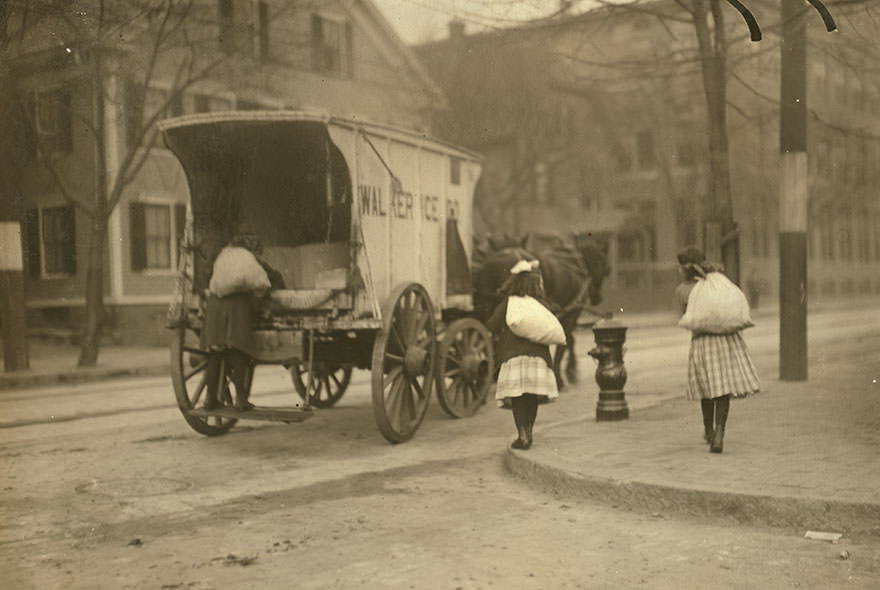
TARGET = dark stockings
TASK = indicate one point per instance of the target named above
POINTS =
(715, 420)
(708, 407)
(239, 368)
(525, 411)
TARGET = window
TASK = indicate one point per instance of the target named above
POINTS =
(202, 103)
(863, 236)
(826, 233)
(50, 241)
(630, 245)
(687, 156)
(331, 46)
(156, 231)
(175, 106)
(143, 104)
(52, 121)
(205, 103)
(226, 20)
(543, 189)
(624, 160)
(454, 171)
(844, 234)
(645, 148)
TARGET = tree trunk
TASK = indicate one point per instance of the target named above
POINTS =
(94, 320)
(721, 239)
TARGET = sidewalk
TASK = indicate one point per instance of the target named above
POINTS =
(801, 455)
(53, 363)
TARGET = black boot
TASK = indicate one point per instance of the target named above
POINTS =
(531, 415)
(708, 408)
(520, 418)
(722, 407)
(242, 374)
(212, 379)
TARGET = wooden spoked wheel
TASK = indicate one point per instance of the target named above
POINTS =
(329, 382)
(403, 362)
(464, 364)
(193, 372)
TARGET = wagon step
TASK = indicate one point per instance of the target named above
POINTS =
(271, 414)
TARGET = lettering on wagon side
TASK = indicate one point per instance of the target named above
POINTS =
(400, 206)
(371, 200)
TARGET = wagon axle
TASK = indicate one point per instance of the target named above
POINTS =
(415, 361)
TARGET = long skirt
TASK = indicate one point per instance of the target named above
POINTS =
(720, 364)
(525, 374)
(228, 323)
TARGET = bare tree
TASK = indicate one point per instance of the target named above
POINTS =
(124, 49)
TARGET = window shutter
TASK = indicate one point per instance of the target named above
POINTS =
(137, 224)
(30, 131)
(179, 229)
(65, 122)
(32, 241)
(69, 240)
(317, 43)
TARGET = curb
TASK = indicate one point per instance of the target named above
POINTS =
(22, 381)
(850, 518)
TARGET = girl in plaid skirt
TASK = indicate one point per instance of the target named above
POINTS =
(719, 365)
(524, 373)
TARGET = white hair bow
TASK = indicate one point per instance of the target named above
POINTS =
(524, 266)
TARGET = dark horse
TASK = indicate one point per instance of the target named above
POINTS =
(572, 275)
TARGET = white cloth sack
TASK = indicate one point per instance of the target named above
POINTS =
(717, 306)
(236, 270)
(529, 319)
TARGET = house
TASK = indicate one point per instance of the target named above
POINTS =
(338, 57)
(596, 122)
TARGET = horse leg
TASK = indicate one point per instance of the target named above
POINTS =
(571, 369)
(557, 365)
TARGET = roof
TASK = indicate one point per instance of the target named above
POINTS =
(315, 116)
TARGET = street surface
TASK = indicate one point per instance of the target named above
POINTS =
(105, 486)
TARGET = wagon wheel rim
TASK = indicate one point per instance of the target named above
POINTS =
(329, 383)
(193, 372)
(403, 363)
(464, 363)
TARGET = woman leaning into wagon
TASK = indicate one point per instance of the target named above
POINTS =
(525, 377)
(719, 365)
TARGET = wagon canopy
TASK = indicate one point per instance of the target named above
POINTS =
(389, 205)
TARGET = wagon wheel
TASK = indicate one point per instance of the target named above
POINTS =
(464, 362)
(328, 383)
(403, 367)
(193, 371)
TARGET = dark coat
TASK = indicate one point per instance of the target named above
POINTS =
(509, 344)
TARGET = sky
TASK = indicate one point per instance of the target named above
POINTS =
(420, 21)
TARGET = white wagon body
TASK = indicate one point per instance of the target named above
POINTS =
(371, 228)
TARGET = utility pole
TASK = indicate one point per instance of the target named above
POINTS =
(793, 193)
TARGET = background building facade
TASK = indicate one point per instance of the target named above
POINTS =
(66, 72)
(597, 123)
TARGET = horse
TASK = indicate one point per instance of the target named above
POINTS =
(570, 273)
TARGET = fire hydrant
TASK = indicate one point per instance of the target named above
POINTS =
(611, 372)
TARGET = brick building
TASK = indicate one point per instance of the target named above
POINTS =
(597, 123)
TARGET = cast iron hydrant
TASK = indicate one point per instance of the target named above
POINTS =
(611, 372)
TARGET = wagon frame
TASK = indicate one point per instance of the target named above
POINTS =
(372, 229)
